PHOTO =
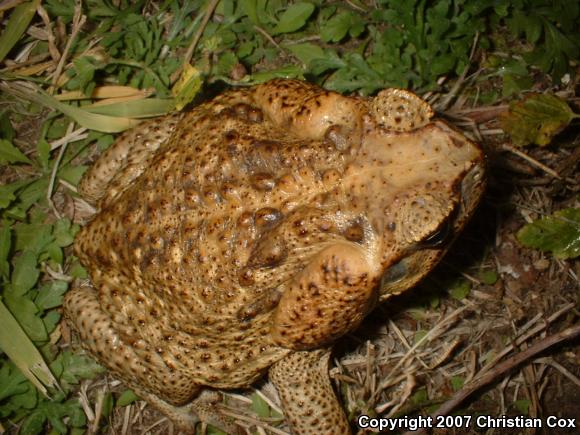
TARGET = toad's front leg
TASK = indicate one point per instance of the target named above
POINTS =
(328, 298)
(324, 301)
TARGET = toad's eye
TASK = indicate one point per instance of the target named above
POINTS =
(438, 237)
(394, 273)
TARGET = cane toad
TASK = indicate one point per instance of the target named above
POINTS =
(247, 235)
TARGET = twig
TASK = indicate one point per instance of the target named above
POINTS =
(54, 53)
(275, 44)
(531, 160)
(269, 401)
(189, 53)
(455, 89)
(404, 341)
(356, 7)
(230, 413)
(78, 134)
(11, 66)
(436, 330)
(523, 338)
(126, 420)
(502, 368)
(270, 39)
(9, 4)
(78, 22)
(560, 368)
(55, 170)
(94, 427)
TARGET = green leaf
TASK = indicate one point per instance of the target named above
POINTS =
(30, 194)
(514, 84)
(126, 398)
(293, 18)
(457, 383)
(43, 153)
(108, 404)
(10, 154)
(419, 335)
(25, 273)
(460, 289)
(26, 313)
(251, 10)
(17, 25)
(420, 397)
(335, 29)
(28, 399)
(33, 237)
(488, 277)
(76, 270)
(71, 368)
(51, 320)
(443, 64)
(34, 423)
(293, 71)
(5, 244)
(6, 130)
(187, 87)
(8, 191)
(17, 345)
(260, 406)
(306, 52)
(559, 233)
(72, 173)
(144, 108)
(523, 405)
(94, 121)
(50, 295)
(85, 68)
(12, 381)
(63, 232)
(536, 119)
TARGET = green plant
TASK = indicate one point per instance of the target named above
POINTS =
(558, 233)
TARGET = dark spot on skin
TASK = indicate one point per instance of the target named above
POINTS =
(255, 115)
(354, 232)
(246, 219)
(458, 143)
(241, 110)
(231, 136)
(267, 217)
(263, 181)
(246, 277)
(269, 146)
(314, 290)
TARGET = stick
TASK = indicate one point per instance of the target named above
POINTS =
(500, 369)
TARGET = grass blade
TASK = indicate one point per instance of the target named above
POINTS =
(15, 343)
(142, 108)
(93, 121)
(17, 25)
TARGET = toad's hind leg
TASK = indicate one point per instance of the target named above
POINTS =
(125, 160)
(172, 392)
(309, 402)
